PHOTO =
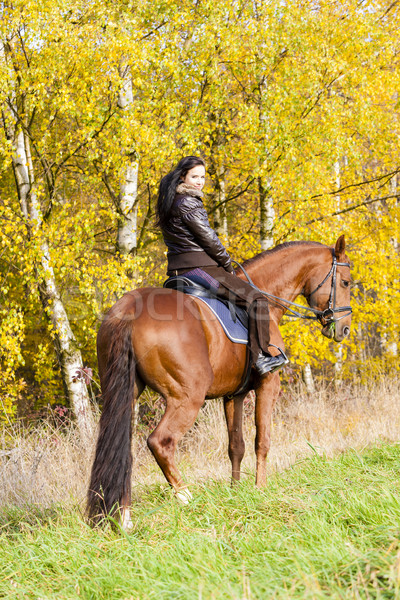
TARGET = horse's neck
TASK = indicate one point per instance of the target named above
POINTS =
(285, 273)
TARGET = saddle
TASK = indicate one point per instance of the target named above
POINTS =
(195, 284)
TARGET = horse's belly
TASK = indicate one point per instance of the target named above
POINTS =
(227, 359)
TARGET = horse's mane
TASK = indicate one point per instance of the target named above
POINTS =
(265, 253)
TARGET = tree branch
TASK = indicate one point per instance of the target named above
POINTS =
(145, 222)
(340, 212)
(153, 31)
(230, 198)
(359, 184)
(110, 189)
(84, 142)
(353, 207)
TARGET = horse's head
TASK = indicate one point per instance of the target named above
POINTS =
(328, 291)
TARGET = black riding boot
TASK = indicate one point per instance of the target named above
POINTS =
(266, 363)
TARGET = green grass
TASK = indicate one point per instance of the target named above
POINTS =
(323, 529)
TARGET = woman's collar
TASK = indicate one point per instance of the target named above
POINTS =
(183, 188)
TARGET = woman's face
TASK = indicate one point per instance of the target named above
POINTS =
(196, 177)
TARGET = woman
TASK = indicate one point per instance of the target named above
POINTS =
(193, 244)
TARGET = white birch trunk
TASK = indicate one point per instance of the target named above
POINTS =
(386, 346)
(69, 356)
(267, 211)
(338, 364)
(127, 198)
(336, 168)
(360, 341)
(21, 173)
(308, 378)
(127, 218)
(338, 350)
(220, 219)
(392, 346)
(267, 217)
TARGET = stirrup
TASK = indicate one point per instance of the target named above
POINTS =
(270, 364)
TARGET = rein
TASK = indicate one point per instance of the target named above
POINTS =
(328, 315)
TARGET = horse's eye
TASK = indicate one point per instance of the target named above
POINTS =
(345, 283)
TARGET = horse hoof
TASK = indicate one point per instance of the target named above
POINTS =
(184, 496)
(127, 524)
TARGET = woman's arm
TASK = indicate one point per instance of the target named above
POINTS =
(195, 218)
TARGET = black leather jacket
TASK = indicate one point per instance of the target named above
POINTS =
(190, 240)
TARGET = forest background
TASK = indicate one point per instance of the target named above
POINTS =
(294, 105)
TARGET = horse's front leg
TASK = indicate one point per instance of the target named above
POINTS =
(234, 419)
(266, 395)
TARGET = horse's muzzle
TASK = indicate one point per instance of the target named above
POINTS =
(328, 331)
(333, 332)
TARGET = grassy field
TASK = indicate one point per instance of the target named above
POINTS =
(324, 528)
(45, 464)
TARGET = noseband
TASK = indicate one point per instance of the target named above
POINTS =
(326, 317)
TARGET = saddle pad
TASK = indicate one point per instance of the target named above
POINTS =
(236, 332)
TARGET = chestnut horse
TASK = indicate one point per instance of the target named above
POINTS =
(172, 343)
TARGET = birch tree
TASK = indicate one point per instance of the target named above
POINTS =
(220, 213)
(393, 345)
(69, 355)
(31, 108)
(125, 197)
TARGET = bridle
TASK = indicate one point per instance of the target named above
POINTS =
(326, 317)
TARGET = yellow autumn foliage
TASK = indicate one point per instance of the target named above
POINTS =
(297, 97)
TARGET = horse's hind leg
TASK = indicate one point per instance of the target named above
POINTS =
(234, 419)
(179, 416)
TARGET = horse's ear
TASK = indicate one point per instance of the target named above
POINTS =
(340, 249)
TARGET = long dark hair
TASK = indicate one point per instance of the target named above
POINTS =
(168, 185)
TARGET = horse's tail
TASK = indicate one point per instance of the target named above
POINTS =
(110, 481)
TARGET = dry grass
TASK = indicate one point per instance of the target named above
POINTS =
(48, 464)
